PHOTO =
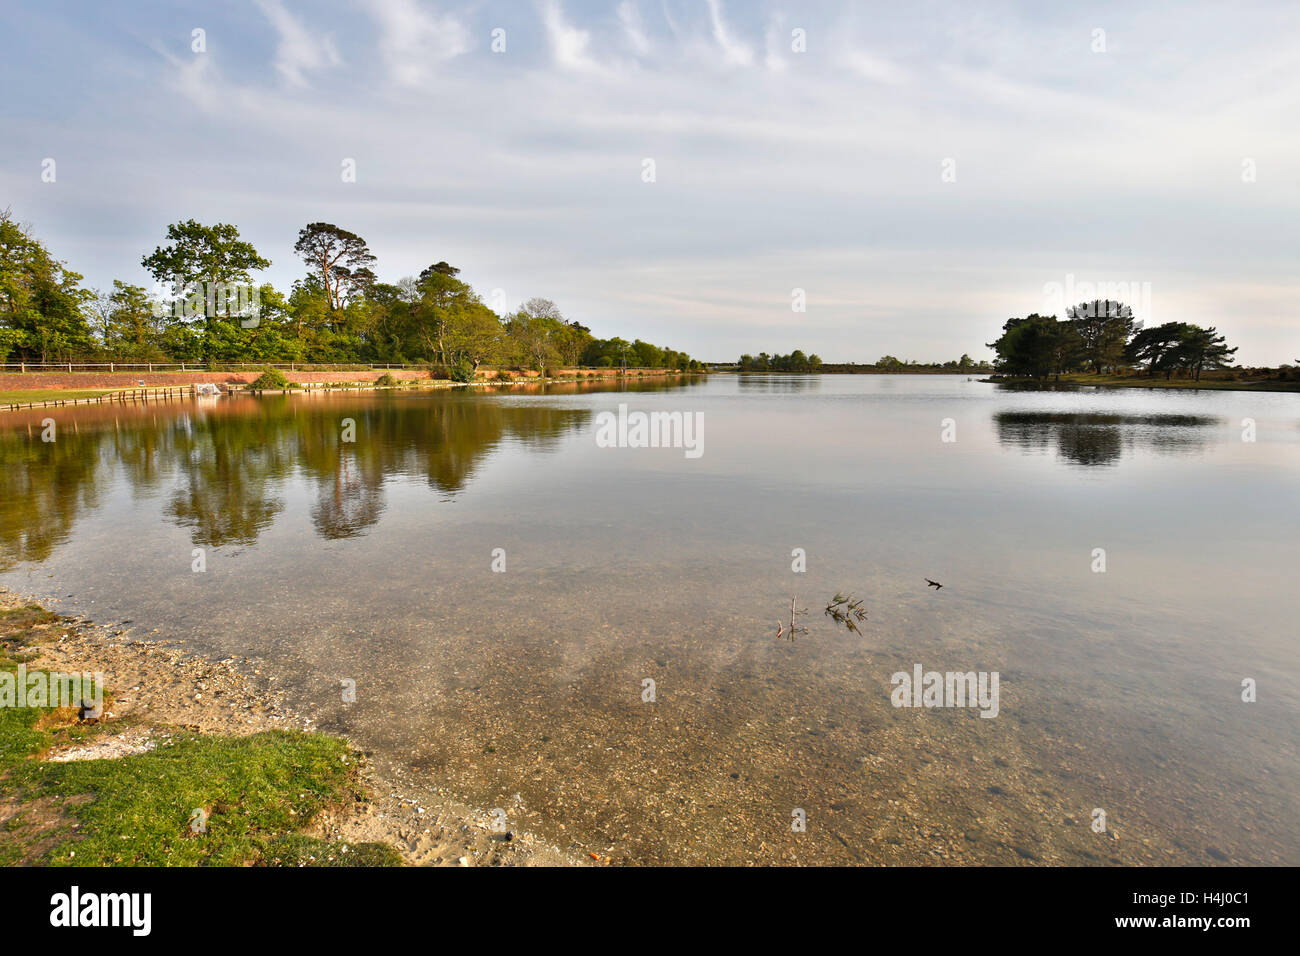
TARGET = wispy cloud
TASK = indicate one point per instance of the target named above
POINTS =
(734, 52)
(776, 40)
(299, 49)
(776, 169)
(568, 43)
(633, 29)
(874, 68)
(415, 40)
(194, 78)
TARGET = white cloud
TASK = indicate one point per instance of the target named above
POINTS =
(195, 78)
(299, 49)
(825, 176)
(875, 69)
(414, 40)
(734, 52)
(668, 18)
(633, 28)
(777, 44)
(568, 44)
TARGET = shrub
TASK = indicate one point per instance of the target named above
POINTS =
(461, 372)
(386, 380)
(270, 379)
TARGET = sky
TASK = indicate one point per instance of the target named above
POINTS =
(685, 171)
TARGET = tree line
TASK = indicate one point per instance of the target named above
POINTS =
(796, 361)
(1101, 337)
(210, 309)
(963, 364)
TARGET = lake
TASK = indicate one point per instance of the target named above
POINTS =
(620, 685)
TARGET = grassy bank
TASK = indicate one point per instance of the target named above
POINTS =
(17, 396)
(189, 799)
(1134, 381)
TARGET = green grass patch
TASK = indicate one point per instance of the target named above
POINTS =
(16, 620)
(19, 737)
(23, 627)
(255, 794)
(22, 396)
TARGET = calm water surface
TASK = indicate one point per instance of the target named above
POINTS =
(523, 690)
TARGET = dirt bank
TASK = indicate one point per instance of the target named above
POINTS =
(22, 381)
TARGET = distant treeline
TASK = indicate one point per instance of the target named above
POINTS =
(211, 310)
(1103, 337)
(796, 361)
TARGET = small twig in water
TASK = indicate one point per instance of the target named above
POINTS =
(794, 628)
(847, 611)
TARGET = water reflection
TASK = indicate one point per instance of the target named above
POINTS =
(1090, 438)
(352, 502)
(778, 383)
(626, 566)
(223, 468)
(43, 487)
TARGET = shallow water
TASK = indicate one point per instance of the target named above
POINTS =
(372, 561)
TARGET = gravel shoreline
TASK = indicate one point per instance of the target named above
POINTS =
(157, 686)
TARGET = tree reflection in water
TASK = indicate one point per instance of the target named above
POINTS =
(224, 467)
(1088, 438)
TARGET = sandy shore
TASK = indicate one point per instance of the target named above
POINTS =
(156, 686)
